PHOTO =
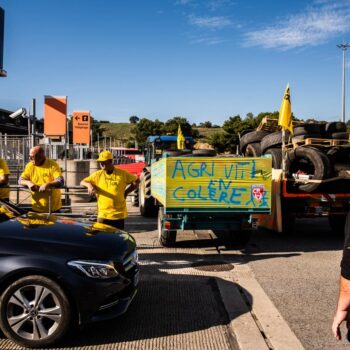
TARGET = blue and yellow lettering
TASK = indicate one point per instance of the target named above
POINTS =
(192, 194)
(193, 172)
(212, 194)
(179, 167)
(223, 196)
(235, 194)
(252, 175)
(175, 194)
(203, 169)
(200, 194)
(228, 172)
(223, 186)
(242, 165)
(211, 185)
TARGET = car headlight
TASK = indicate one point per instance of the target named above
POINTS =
(94, 269)
(135, 256)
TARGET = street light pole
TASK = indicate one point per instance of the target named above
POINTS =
(343, 47)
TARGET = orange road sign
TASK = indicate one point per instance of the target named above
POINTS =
(55, 116)
(81, 127)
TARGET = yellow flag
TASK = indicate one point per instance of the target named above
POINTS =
(180, 139)
(285, 116)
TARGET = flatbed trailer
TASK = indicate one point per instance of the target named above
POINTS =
(288, 205)
(213, 193)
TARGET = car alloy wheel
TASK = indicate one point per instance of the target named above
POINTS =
(34, 311)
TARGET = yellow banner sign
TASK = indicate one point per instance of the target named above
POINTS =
(243, 183)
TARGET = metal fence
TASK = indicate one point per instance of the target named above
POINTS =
(15, 150)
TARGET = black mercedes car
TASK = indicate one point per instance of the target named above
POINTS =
(55, 271)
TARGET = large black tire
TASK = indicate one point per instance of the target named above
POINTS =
(253, 150)
(177, 153)
(337, 224)
(204, 153)
(37, 294)
(273, 140)
(245, 131)
(340, 136)
(276, 155)
(339, 154)
(147, 204)
(308, 161)
(312, 128)
(167, 238)
(306, 136)
(251, 137)
(333, 127)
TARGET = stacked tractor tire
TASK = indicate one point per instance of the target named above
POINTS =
(318, 160)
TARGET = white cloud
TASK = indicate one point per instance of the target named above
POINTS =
(216, 22)
(311, 28)
(209, 41)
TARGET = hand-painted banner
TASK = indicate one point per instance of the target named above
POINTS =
(237, 183)
(81, 127)
(55, 116)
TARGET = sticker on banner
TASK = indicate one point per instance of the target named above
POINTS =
(258, 192)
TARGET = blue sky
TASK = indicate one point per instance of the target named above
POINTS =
(199, 59)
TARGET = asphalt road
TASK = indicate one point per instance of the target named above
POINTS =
(299, 273)
(180, 305)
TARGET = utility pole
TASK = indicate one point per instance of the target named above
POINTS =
(343, 47)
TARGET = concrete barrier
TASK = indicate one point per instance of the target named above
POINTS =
(77, 170)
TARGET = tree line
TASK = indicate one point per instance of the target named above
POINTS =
(224, 140)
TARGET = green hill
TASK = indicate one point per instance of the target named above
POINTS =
(119, 131)
(122, 131)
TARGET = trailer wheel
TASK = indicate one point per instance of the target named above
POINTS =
(308, 161)
(167, 238)
(253, 150)
(146, 201)
(337, 223)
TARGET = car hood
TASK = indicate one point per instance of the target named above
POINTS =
(53, 235)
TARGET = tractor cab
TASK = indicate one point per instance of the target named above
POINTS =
(157, 146)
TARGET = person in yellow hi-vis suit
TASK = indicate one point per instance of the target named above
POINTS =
(111, 186)
(4, 180)
(43, 177)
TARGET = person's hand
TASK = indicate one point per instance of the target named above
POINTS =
(339, 317)
(33, 188)
(43, 187)
(91, 190)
